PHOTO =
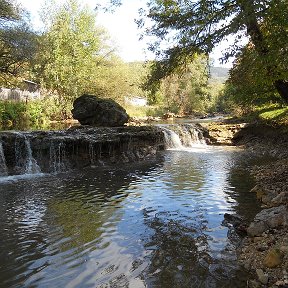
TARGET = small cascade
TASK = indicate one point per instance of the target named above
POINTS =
(25, 162)
(57, 157)
(172, 139)
(182, 136)
(3, 166)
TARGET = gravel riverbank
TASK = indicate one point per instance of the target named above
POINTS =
(264, 252)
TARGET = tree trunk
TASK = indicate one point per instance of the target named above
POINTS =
(257, 38)
(282, 88)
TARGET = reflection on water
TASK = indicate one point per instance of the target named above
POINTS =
(152, 225)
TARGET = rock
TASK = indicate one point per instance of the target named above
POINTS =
(268, 218)
(256, 228)
(263, 278)
(284, 249)
(273, 258)
(168, 115)
(94, 111)
(281, 198)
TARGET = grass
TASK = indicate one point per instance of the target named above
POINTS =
(279, 115)
(272, 114)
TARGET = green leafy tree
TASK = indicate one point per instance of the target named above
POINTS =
(186, 90)
(250, 83)
(197, 26)
(73, 52)
(17, 42)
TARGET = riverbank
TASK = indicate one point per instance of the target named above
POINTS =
(264, 252)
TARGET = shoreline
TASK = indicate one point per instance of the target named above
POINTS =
(264, 251)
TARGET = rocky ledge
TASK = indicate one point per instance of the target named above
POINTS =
(56, 151)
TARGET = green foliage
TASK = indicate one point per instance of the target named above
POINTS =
(73, 57)
(20, 114)
(17, 42)
(183, 28)
(36, 114)
(272, 114)
(8, 12)
(186, 91)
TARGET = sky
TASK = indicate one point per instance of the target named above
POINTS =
(121, 27)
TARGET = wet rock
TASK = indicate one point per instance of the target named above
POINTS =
(237, 222)
(268, 218)
(273, 258)
(254, 284)
(58, 151)
(284, 249)
(94, 111)
(263, 278)
(263, 195)
(222, 134)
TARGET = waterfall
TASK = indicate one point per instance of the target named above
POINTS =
(57, 157)
(183, 136)
(25, 162)
(3, 166)
(172, 139)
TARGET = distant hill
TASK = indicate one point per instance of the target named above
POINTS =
(219, 74)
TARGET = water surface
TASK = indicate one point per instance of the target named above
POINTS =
(155, 224)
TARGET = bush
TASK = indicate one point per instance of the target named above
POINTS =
(31, 115)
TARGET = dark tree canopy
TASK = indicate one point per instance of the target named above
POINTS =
(189, 26)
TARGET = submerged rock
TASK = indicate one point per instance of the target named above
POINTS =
(94, 111)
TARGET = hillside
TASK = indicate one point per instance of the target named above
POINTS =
(219, 74)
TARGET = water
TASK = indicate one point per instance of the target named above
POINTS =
(156, 224)
(3, 166)
(25, 162)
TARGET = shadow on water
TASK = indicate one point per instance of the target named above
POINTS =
(141, 225)
(58, 218)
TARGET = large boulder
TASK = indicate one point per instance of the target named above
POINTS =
(94, 111)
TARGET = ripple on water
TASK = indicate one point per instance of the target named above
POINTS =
(148, 225)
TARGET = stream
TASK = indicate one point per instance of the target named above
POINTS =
(150, 224)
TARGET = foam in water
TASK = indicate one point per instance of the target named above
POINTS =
(183, 137)
(25, 162)
(172, 140)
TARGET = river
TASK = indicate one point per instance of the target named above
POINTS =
(150, 224)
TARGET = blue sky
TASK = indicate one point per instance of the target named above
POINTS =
(121, 27)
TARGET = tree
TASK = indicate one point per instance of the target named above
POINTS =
(186, 90)
(17, 41)
(8, 12)
(73, 52)
(199, 25)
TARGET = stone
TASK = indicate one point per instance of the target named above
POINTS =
(263, 278)
(268, 218)
(282, 198)
(254, 284)
(95, 111)
(273, 258)
(284, 249)
(256, 228)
